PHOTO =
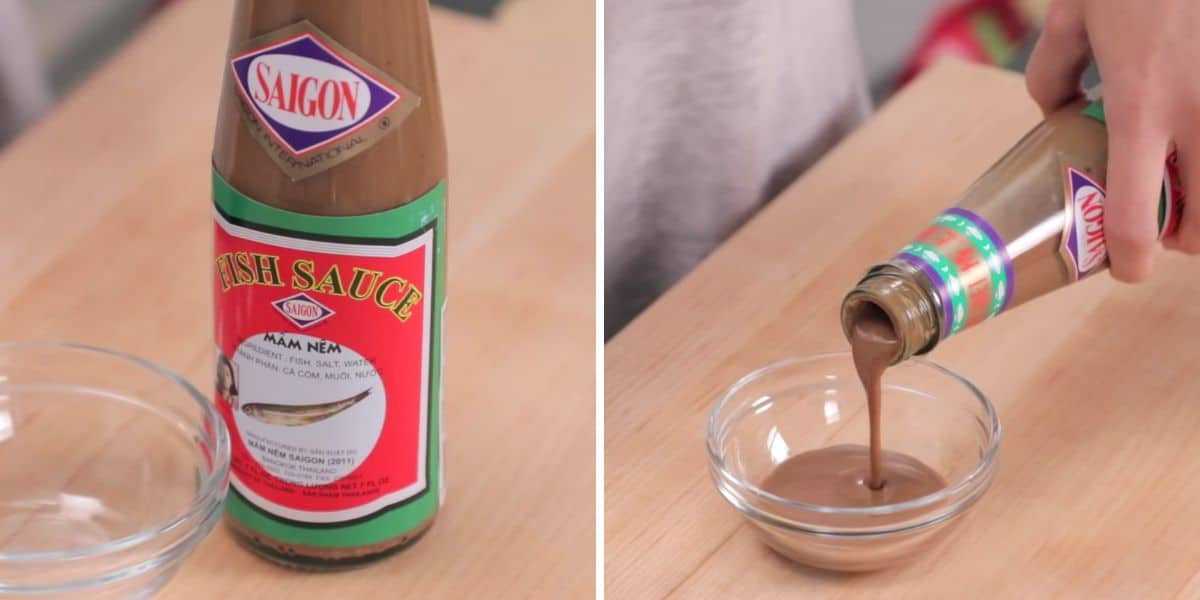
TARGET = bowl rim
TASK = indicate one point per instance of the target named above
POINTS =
(979, 475)
(211, 491)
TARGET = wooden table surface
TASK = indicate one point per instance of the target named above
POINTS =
(107, 234)
(1097, 386)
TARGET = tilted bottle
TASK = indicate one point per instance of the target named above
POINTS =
(1031, 224)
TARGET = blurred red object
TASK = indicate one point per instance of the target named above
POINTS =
(979, 31)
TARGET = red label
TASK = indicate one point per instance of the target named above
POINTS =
(323, 373)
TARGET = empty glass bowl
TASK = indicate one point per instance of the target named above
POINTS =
(112, 469)
(803, 404)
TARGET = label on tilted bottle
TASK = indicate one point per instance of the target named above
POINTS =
(1082, 247)
(311, 102)
(328, 333)
(968, 264)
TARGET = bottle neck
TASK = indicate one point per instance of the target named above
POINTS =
(899, 295)
(396, 155)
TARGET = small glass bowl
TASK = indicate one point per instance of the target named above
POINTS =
(112, 470)
(803, 404)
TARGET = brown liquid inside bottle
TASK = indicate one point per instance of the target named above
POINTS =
(404, 160)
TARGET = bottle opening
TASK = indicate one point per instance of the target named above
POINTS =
(867, 310)
(867, 322)
(892, 303)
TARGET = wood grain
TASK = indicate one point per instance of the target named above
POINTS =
(106, 240)
(1096, 387)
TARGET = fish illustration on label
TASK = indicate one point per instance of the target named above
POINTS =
(294, 415)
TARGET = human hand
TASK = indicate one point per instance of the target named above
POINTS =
(1146, 54)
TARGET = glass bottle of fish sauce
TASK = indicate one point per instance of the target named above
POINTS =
(1031, 224)
(329, 204)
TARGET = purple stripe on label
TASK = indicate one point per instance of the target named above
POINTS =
(998, 242)
(939, 284)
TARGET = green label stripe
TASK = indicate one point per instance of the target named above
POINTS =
(379, 529)
(950, 275)
(381, 225)
(1162, 206)
(990, 34)
(1095, 110)
(393, 224)
(988, 253)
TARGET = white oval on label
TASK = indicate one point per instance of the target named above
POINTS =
(286, 369)
(307, 94)
(1090, 249)
(302, 309)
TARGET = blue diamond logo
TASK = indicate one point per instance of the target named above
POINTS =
(307, 94)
